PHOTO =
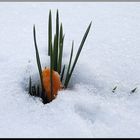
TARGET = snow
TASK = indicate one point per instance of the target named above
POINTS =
(110, 58)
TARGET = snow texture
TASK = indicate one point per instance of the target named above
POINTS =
(110, 57)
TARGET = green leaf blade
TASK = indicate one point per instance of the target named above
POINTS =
(61, 40)
(37, 56)
(68, 70)
(56, 49)
(49, 32)
(51, 71)
(55, 52)
(133, 90)
(30, 86)
(62, 74)
(80, 47)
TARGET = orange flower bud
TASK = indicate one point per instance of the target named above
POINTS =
(56, 83)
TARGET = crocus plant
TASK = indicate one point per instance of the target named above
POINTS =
(52, 78)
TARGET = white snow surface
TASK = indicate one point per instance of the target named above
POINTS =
(110, 57)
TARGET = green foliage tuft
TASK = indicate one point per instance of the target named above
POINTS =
(55, 52)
